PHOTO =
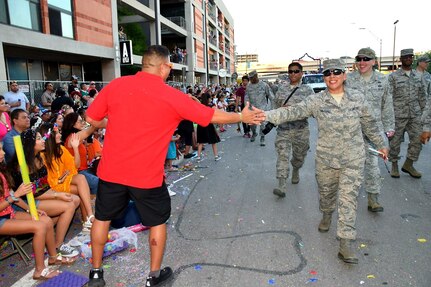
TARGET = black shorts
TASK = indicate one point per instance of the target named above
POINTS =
(153, 204)
(185, 130)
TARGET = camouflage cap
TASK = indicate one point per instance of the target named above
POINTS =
(406, 52)
(424, 58)
(252, 74)
(333, 64)
(367, 52)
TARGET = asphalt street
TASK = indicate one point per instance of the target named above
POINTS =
(228, 229)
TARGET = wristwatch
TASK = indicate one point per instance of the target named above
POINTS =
(12, 195)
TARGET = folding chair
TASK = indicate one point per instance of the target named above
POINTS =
(17, 247)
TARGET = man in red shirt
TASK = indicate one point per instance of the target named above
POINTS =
(240, 95)
(132, 160)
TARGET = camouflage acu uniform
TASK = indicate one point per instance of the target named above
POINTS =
(426, 116)
(409, 97)
(260, 96)
(274, 87)
(426, 78)
(376, 93)
(291, 136)
(340, 152)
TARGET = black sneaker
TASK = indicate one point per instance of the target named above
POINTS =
(96, 278)
(165, 275)
(190, 155)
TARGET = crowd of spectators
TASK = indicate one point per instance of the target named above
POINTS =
(179, 56)
(62, 152)
(194, 137)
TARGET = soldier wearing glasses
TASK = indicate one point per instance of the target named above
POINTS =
(410, 97)
(342, 116)
(374, 86)
(292, 137)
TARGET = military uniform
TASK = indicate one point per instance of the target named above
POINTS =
(426, 76)
(260, 96)
(291, 136)
(274, 87)
(377, 94)
(340, 152)
(426, 79)
(409, 97)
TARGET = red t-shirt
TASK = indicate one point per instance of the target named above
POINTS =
(241, 93)
(143, 113)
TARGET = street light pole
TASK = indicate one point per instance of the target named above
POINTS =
(380, 61)
(393, 52)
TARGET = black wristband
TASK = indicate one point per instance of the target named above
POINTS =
(7, 200)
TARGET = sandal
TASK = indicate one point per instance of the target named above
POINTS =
(60, 260)
(46, 274)
(89, 223)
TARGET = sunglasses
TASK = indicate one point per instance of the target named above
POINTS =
(335, 72)
(365, 59)
(294, 71)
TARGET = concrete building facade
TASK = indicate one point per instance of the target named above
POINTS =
(203, 29)
(51, 40)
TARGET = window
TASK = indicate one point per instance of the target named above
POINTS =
(3, 12)
(34, 69)
(65, 72)
(17, 68)
(21, 13)
(50, 70)
(60, 18)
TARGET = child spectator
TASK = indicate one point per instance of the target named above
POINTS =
(63, 170)
(73, 123)
(57, 119)
(221, 105)
(19, 222)
(207, 134)
(58, 205)
(91, 96)
(172, 153)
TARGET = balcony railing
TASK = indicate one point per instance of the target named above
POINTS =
(213, 66)
(212, 16)
(178, 20)
(213, 41)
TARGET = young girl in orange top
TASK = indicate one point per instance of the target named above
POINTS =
(63, 169)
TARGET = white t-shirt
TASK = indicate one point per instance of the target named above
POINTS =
(11, 98)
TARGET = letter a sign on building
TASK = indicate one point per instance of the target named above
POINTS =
(126, 53)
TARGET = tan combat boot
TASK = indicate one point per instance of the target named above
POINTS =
(295, 175)
(325, 223)
(395, 173)
(346, 252)
(373, 204)
(280, 190)
(408, 168)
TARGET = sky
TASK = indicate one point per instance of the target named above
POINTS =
(283, 30)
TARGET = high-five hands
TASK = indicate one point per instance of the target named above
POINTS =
(252, 115)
